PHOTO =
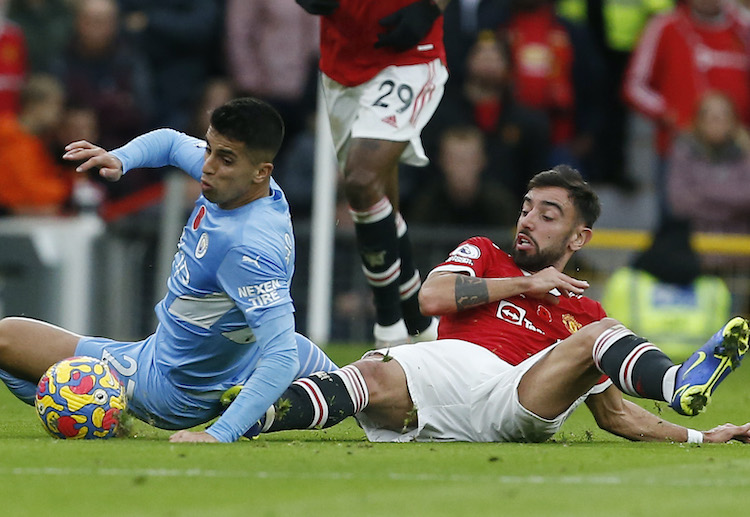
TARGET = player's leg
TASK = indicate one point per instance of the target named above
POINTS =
(634, 365)
(564, 374)
(708, 366)
(28, 347)
(420, 327)
(24, 390)
(370, 167)
(311, 357)
(375, 126)
(321, 400)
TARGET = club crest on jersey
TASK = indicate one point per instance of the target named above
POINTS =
(202, 247)
(199, 217)
(516, 315)
(571, 324)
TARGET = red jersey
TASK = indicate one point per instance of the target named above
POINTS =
(348, 36)
(679, 59)
(13, 66)
(517, 327)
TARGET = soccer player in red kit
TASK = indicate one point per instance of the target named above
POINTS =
(383, 75)
(519, 349)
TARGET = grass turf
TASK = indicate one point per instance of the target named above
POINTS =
(583, 471)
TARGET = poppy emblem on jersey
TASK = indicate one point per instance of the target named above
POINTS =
(544, 313)
(571, 324)
(202, 247)
(199, 217)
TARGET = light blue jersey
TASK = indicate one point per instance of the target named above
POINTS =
(227, 318)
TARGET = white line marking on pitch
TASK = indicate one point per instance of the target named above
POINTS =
(335, 476)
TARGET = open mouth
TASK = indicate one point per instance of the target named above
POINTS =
(525, 243)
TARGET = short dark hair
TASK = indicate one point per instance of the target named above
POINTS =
(251, 121)
(583, 196)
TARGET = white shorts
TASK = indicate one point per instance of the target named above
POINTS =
(463, 392)
(394, 105)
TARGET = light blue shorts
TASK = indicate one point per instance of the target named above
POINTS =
(151, 397)
(154, 398)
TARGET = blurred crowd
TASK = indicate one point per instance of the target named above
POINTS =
(533, 83)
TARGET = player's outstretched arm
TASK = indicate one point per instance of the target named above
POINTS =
(727, 432)
(444, 292)
(94, 157)
(624, 418)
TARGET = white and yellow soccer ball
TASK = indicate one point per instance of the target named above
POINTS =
(80, 397)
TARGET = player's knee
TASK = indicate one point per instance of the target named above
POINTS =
(362, 187)
(9, 328)
(385, 380)
(390, 405)
(587, 336)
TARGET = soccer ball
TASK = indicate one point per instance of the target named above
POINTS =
(80, 397)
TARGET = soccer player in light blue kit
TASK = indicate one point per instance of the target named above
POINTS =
(228, 317)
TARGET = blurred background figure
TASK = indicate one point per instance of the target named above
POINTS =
(100, 70)
(13, 62)
(700, 46)
(664, 294)
(516, 136)
(272, 54)
(615, 27)
(217, 91)
(181, 40)
(708, 175)
(464, 194)
(463, 23)
(33, 181)
(47, 25)
(556, 70)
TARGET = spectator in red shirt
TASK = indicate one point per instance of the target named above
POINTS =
(13, 62)
(557, 71)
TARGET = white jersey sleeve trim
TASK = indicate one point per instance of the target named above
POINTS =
(454, 268)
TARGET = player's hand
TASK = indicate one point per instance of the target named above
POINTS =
(192, 436)
(321, 7)
(94, 157)
(544, 281)
(727, 432)
(408, 26)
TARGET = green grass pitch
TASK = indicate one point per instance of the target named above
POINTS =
(335, 472)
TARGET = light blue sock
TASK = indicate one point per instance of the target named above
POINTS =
(24, 390)
(311, 358)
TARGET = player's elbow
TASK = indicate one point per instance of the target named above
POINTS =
(431, 303)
